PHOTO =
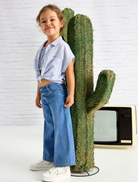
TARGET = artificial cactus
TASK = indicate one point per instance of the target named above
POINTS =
(68, 14)
(79, 36)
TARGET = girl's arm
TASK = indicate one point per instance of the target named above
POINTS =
(38, 92)
(70, 84)
(38, 98)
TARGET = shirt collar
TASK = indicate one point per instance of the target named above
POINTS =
(55, 42)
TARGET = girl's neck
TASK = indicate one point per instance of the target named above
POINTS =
(50, 40)
(46, 44)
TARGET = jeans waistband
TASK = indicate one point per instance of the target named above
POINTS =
(46, 87)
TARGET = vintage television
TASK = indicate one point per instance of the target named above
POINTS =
(115, 127)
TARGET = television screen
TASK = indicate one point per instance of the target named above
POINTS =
(115, 126)
(105, 126)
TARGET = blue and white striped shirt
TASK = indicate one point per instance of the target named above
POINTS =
(53, 61)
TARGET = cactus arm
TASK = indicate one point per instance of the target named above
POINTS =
(68, 14)
(102, 92)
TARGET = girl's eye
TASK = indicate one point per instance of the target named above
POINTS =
(45, 21)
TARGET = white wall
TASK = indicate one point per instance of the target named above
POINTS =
(115, 25)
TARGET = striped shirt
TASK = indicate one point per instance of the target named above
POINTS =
(53, 61)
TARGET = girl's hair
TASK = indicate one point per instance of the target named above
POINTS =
(59, 13)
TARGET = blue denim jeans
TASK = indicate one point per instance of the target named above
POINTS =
(58, 141)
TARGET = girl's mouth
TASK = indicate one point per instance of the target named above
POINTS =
(49, 28)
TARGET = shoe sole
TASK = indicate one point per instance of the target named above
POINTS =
(32, 168)
(56, 178)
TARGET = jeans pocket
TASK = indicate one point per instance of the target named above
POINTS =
(55, 89)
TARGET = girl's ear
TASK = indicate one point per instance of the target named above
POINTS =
(62, 22)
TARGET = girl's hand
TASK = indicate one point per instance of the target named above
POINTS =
(37, 102)
(69, 101)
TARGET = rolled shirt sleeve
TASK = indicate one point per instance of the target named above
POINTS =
(68, 56)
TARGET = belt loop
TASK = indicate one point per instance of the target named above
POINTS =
(47, 88)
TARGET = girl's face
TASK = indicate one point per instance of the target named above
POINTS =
(50, 24)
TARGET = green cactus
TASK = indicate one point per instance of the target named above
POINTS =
(68, 14)
(79, 36)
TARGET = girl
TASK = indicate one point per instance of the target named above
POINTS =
(54, 60)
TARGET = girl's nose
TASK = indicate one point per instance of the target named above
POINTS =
(48, 23)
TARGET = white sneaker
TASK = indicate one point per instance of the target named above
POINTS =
(56, 173)
(41, 165)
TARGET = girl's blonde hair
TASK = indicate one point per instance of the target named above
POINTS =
(59, 13)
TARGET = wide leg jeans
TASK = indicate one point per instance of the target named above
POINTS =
(58, 141)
